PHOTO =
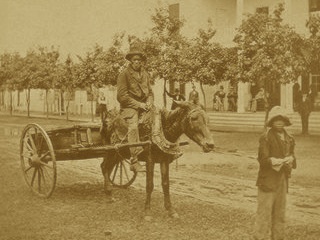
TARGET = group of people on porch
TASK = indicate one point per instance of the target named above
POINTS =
(218, 100)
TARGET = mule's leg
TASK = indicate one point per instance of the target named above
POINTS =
(149, 186)
(106, 167)
(164, 167)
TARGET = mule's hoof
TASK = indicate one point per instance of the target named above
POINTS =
(147, 218)
(174, 215)
(111, 200)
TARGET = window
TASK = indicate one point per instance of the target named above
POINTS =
(262, 10)
(314, 5)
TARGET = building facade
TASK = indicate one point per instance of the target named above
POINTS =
(227, 15)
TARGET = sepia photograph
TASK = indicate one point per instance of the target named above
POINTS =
(160, 119)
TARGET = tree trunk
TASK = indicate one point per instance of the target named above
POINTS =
(164, 93)
(11, 103)
(204, 96)
(92, 114)
(67, 109)
(266, 120)
(28, 102)
(47, 103)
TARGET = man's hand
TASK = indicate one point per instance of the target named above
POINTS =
(145, 106)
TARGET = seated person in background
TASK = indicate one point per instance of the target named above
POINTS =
(258, 102)
(232, 100)
(177, 96)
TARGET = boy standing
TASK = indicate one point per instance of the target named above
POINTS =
(276, 159)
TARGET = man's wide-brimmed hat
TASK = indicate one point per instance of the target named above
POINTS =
(135, 52)
(278, 112)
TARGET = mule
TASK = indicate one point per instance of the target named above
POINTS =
(189, 119)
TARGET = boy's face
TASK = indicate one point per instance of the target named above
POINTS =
(278, 125)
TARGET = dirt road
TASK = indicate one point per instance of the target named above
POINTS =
(214, 194)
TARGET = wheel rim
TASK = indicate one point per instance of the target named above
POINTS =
(121, 175)
(38, 160)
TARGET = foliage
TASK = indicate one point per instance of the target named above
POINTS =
(205, 57)
(311, 48)
(166, 47)
(9, 70)
(113, 61)
(268, 49)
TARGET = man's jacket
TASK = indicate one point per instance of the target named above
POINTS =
(270, 145)
(134, 89)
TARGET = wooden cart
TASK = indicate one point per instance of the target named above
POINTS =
(40, 151)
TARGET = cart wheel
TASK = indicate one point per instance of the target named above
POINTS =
(121, 176)
(38, 160)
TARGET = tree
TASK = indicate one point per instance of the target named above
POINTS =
(9, 73)
(28, 75)
(165, 48)
(205, 59)
(269, 51)
(45, 73)
(90, 74)
(113, 61)
(66, 81)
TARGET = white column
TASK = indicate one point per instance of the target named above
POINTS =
(239, 12)
(286, 97)
(289, 99)
(241, 98)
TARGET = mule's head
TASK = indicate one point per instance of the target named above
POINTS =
(195, 125)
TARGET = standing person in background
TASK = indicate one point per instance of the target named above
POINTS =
(297, 96)
(102, 106)
(276, 160)
(312, 94)
(135, 95)
(194, 95)
(177, 96)
(304, 109)
(232, 100)
(219, 97)
(253, 90)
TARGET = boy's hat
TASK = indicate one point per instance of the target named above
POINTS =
(276, 112)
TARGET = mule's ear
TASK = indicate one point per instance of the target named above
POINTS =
(183, 104)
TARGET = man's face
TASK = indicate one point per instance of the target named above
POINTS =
(136, 62)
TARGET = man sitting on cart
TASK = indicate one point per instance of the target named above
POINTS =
(135, 96)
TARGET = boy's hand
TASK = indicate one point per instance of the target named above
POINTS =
(288, 159)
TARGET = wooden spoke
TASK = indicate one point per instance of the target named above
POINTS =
(46, 164)
(26, 156)
(40, 142)
(125, 170)
(27, 145)
(28, 169)
(33, 145)
(45, 155)
(33, 176)
(115, 172)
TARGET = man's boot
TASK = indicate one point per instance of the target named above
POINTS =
(135, 166)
